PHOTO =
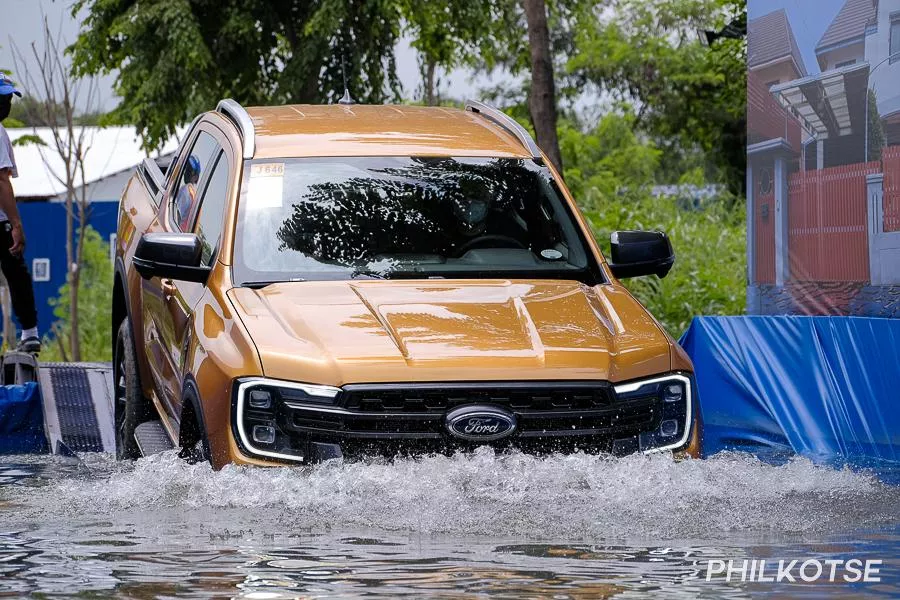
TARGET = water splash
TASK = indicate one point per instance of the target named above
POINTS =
(574, 497)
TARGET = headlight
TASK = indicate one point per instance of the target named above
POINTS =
(260, 410)
(674, 394)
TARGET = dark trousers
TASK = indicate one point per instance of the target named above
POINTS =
(19, 280)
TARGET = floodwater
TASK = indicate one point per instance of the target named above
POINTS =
(475, 525)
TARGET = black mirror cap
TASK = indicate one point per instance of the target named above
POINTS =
(170, 255)
(638, 253)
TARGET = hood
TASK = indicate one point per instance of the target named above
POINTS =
(398, 331)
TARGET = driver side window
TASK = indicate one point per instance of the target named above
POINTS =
(212, 209)
(194, 169)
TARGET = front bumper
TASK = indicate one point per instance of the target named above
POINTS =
(549, 416)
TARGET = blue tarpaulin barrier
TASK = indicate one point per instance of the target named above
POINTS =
(824, 387)
(21, 420)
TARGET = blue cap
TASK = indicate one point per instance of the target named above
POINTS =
(7, 87)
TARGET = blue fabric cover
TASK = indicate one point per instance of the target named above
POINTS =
(823, 387)
(21, 420)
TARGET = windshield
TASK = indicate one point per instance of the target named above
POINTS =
(404, 217)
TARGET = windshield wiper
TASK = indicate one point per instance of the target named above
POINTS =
(263, 283)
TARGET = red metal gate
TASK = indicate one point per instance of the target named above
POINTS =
(891, 201)
(827, 237)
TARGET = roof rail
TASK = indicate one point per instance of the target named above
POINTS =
(238, 114)
(509, 124)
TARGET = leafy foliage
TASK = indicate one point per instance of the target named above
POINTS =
(94, 302)
(709, 273)
(611, 157)
(876, 135)
(455, 33)
(610, 171)
(176, 58)
(688, 94)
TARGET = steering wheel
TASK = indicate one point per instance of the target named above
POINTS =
(481, 239)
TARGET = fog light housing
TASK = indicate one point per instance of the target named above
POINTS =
(668, 428)
(260, 399)
(263, 434)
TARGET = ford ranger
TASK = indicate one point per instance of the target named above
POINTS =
(308, 282)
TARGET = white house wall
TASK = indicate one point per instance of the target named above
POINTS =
(833, 58)
(885, 77)
(779, 72)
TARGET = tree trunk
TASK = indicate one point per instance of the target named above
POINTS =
(430, 99)
(72, 273)
(542, 98)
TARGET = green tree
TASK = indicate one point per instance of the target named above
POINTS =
(609, 159)
(176, 58)
(876, 138)
(690, 94)
(451, 34)
(95, 300)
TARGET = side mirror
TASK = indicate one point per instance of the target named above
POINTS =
(636, 253)
(171, 255)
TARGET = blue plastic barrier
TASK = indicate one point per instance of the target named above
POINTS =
(823, 387)
(21, 420)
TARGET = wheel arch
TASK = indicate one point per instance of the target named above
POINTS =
(120, 302)
(191, 421)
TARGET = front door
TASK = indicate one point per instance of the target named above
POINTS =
(167, 304)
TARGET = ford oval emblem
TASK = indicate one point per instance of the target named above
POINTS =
(480, 423)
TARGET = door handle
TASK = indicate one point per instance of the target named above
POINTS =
(168, 288)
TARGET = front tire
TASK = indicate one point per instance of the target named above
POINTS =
(131, 408)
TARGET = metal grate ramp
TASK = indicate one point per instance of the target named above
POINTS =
(78, 405)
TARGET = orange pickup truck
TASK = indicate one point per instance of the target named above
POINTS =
(310, 282)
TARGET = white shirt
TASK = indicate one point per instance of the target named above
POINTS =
(7, 159)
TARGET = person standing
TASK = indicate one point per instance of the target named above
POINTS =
(12, 237)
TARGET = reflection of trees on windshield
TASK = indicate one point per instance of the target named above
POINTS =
(428, 206)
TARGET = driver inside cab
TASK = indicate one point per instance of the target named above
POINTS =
(187, 192)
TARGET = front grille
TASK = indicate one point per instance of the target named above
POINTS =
(416, 412)
(430, 399)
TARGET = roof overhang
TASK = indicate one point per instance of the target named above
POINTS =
(891, 118)
(777, 146)
(829, 104)
(857, 39)
(787, 58)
